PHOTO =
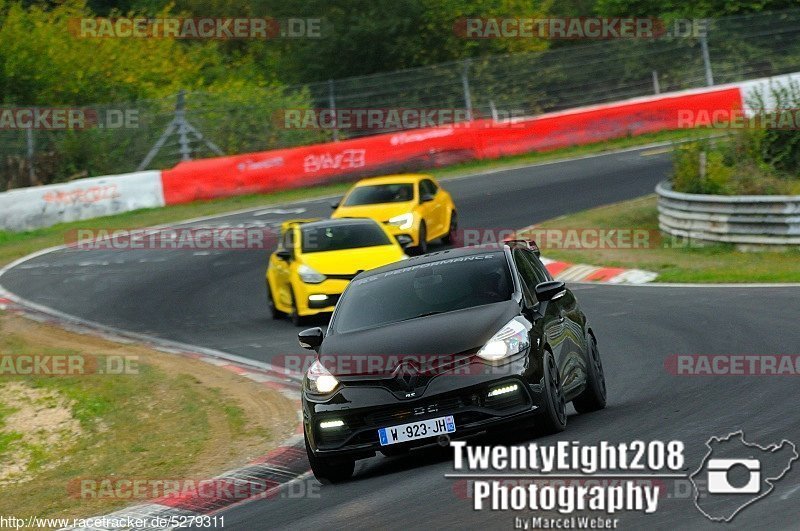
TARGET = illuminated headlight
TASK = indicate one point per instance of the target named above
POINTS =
(317, 297)
(327, 424)
(320, 380)
(403, 221)
(310, 275)
(502, 390)
(510, 340)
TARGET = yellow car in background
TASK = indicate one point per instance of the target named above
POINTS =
(315, 261)
(414, 208)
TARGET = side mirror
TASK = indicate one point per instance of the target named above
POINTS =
(548, 291)
(335, 205)
(284, 254)
(310, 339)
(425, 198)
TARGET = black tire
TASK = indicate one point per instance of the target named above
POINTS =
(452, 235)
(330, 470)
(273, 312)
(294, 316)
(422, 246)
(593, 398)
(553, 418)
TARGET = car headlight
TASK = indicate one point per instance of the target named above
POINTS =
(509, 340)
(403, 221)
(309, 275)
(320, 380)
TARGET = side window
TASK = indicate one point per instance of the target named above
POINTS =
(538, 268)
(432, 188)
(426, 186)
(527, 275)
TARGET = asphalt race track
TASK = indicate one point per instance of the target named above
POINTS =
(215, 299)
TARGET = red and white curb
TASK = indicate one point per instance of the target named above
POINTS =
(587, 273)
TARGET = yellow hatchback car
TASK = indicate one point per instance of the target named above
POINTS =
(315, 261)
(414, 208)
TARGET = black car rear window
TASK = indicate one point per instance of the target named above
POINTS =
(338, 237)
(380, 193)
(424, 289)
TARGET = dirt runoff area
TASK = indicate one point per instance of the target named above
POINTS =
(76, 406)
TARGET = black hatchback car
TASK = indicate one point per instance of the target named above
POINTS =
(441, 346)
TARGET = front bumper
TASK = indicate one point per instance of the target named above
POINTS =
(309, 297)
(365, 408)
(405, 237)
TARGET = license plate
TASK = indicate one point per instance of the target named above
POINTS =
(416, 430)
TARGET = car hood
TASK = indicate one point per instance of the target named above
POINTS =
(380, 212)
(381, 350)
(351, 261)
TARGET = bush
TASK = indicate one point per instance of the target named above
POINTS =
(759, 159)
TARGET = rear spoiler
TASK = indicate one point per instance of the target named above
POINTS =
(527, 244)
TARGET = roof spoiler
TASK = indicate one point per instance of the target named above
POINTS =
(531, 245)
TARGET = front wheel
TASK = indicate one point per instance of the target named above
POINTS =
(294, 316)
(422, 246)
(272, 310)
(452, 234)
(593, 398)
(553, 418)
(330, 470)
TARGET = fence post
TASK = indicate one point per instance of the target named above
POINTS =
(332, 107)
(180, 119)
(465, 86)
(703, 30)
(656, 85)
(184, 129)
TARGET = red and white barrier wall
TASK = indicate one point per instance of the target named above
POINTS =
(42, 206)
(278, 169)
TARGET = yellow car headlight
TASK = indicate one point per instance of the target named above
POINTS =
(309, 275)
(403, 221)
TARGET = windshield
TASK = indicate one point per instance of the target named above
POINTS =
(338, 237)
(380, 193)
(424, 289)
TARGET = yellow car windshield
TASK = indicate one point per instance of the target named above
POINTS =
(342, 236)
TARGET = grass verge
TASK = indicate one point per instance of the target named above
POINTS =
(14, 245)
(673, 263)
(168, 417)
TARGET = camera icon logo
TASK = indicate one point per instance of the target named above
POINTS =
(719, 483)
(735, 474)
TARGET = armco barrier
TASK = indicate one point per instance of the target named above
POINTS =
(302, 166)
(756, 220)
(43, 206)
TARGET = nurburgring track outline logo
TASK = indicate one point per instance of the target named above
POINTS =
(750, 456)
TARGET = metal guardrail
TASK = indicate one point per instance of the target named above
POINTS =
(756, 220)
